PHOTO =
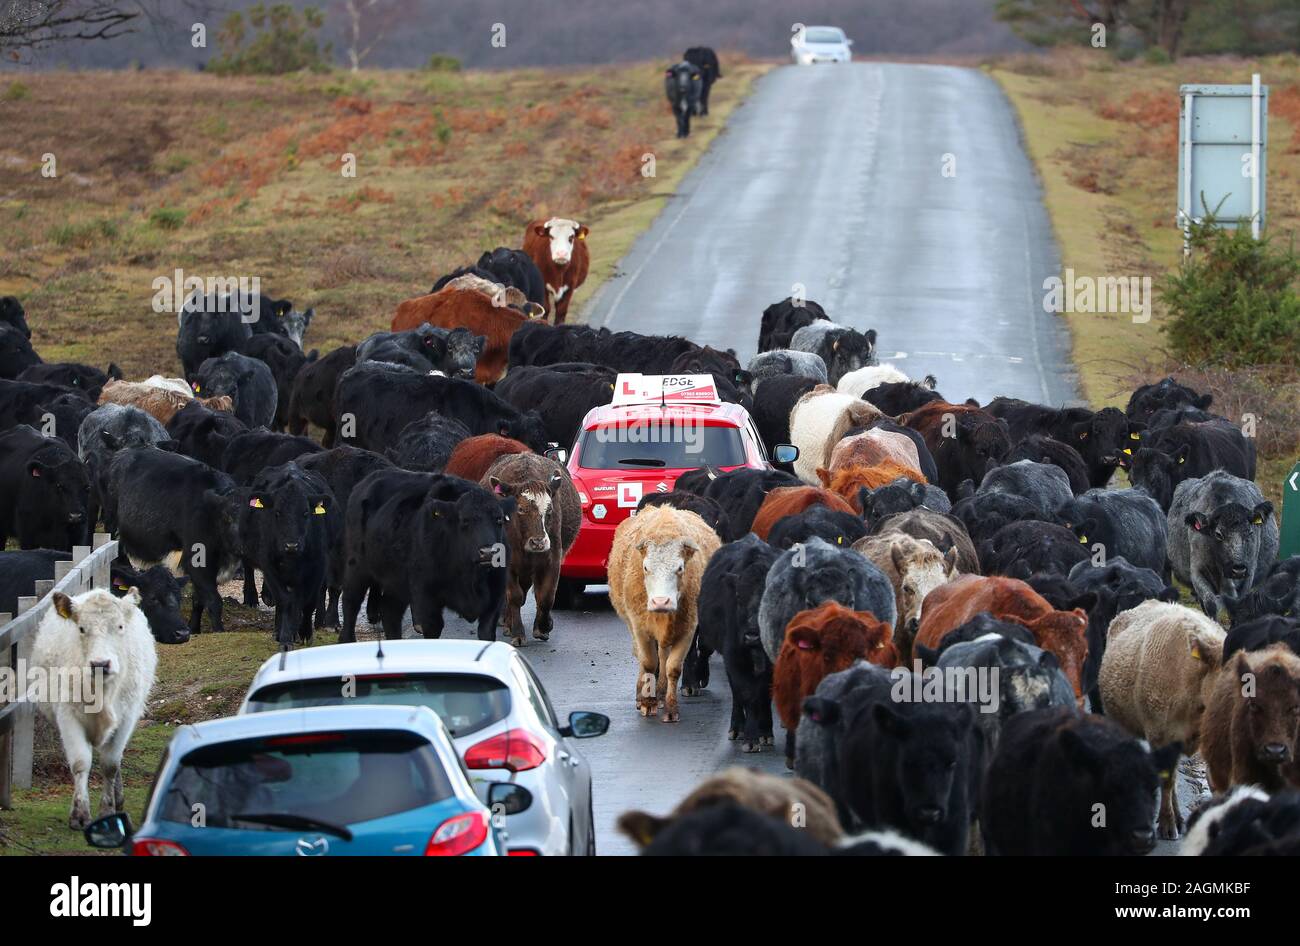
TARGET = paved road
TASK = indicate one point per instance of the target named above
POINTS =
(829, 177)
(833, 177)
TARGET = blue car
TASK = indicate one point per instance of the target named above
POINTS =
(350, 779)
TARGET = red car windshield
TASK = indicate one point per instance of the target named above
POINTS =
(661, 445)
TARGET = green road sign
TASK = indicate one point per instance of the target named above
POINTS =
(1291, 514)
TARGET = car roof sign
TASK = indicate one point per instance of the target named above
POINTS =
(631, 388)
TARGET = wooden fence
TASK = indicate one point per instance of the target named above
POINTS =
(89, 568)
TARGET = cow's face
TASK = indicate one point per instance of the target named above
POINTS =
(12, 313)
(930, 748)
(921, 571)
(295, 324)
(62, 487)
(562, 233)
(16, 352)
(1273, 711)
(288, 513)
(463, 351)
(1128, 779)
(101, 622)
(1155, 472)
(160, 600)
(663, 564)
(1232, 534)
(534, 501)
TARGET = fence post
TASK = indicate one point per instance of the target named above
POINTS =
(6, 739)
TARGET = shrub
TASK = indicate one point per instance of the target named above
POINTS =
(281, 40)
(1232, 302)
(167, 218)
(16, 92)
(439, 62)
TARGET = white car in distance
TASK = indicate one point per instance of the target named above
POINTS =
(814, 44)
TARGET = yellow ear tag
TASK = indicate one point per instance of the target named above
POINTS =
(1083, 540)
(1196, 651)
(1083, 436)
(255, 503)
(196, 389)
(1129, 451)
(1134, 436)
(1258, 520)
(1182, 459)
(320, 509)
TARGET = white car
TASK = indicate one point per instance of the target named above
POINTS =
(814, 44)
(499, 716)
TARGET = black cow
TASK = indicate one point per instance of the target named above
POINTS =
(728, 829)
(1044, 449)
(706, 509)
(913, 766)
(56, 410)
(537, 343)
(1173, 454)
(287, 533)
(285, 359)
(165, 503)
(983, 514)
(682, 84)
(1278, 592)
(44, 492)
(898, 397)
(422, 348)
(773, 401)
(740, 492)
(204, 331)
(1124, 522)
(1097, 435)
(1021, 549)
(19, 572)
(89, 381)
(11, 313)
(1261, 632)
(247, 381)
(312, 401)
(1162, 395)
(562, 394)
(16, 352)
(1064, 768)
(204, 434)
(782, 319)
(710, 72)
(515, 268)
(374, 406)
(730, 591)
(160, 598)
(426, 541)
(833, 526)
(107, 429)
(425, 445)
(901, 495)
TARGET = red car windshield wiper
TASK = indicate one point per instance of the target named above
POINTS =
(641, 461)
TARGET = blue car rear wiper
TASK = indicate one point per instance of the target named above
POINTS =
(298, 822)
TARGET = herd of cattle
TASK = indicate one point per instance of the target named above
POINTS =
(971, 640)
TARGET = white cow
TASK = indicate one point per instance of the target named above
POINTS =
(94, 661)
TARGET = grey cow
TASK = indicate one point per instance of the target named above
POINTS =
(1045, 485)
(1222, 534)
(808, 575)
(842, 348)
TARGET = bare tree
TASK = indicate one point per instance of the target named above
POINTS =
(30, 25)
(369, 23)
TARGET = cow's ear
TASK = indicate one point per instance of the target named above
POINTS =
(899, 558)
(503, 428)
(889, 720)
(1261, 513)
(950, 561)
(582, 232)
(641, 826)
(871, 335)
(37, 469)
(132, 596)
(1204, 401)
(1084, 529)
(321, 504)
(804, 638)
(306, 316)
(480, 342)
(1196, 520)
(508, 506)
(498, 487)
(1081, 430)
(1084, 602)
(824, 475)
(1078, 751)
(820, 710)
(1165, 759)
(114, 372)
(1181, 454)
(259, 501)
(110, 441)
(540, 229)
(554, 482)
(283, 308)
(689, 548)
(441, 509)
(63, 606)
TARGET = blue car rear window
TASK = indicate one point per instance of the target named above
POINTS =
(341, 778)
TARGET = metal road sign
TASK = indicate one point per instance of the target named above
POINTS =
(1222, 154)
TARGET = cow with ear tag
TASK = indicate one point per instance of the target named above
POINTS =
(544, 527)
(1222, 537)
(98, 662)
(288, 527)
(427, 541)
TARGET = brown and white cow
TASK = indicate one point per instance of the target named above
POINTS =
(558, 247)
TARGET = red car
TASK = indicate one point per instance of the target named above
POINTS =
(657, 428)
